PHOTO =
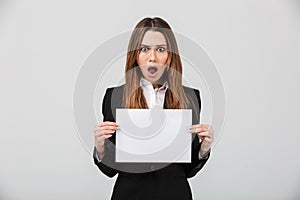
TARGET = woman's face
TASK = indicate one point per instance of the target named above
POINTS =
(153, 56)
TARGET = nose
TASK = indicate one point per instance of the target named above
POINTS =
(152, 56)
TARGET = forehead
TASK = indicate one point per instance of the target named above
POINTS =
(154, 38)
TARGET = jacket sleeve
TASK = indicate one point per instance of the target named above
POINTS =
(191, 169)
(108, 160)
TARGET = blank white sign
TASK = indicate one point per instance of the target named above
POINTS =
(153, 135)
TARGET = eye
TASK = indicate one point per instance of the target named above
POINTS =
(161, 49)
(144, 49)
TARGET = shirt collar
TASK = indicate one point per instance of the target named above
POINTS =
(145, 83)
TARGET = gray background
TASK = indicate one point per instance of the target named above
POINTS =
(254, 44)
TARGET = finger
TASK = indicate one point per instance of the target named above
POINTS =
(200, 137)
(197, 130)
(195, 126)
(201, 127)
(204, 134)
(107, 123)
(104, 132)
(103, 124)
(107, 136)
(99, 130)
(208, 131)
(98, 134)
(108, 127)
(207, 139)
(102, 137)
(111, 128)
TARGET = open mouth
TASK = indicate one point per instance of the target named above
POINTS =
(152, 70)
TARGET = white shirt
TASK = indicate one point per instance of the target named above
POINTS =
(154, 96)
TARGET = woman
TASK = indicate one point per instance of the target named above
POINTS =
(153, 78)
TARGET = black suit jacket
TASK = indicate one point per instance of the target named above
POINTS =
(169, 182)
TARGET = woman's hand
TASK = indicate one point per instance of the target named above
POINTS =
(103, 131)
(206, 134)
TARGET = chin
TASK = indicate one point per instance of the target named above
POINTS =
(152, 80)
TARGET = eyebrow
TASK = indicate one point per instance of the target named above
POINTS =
(155, 45)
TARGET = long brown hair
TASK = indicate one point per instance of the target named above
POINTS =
(133, 94)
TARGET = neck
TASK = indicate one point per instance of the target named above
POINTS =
(156, 85)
